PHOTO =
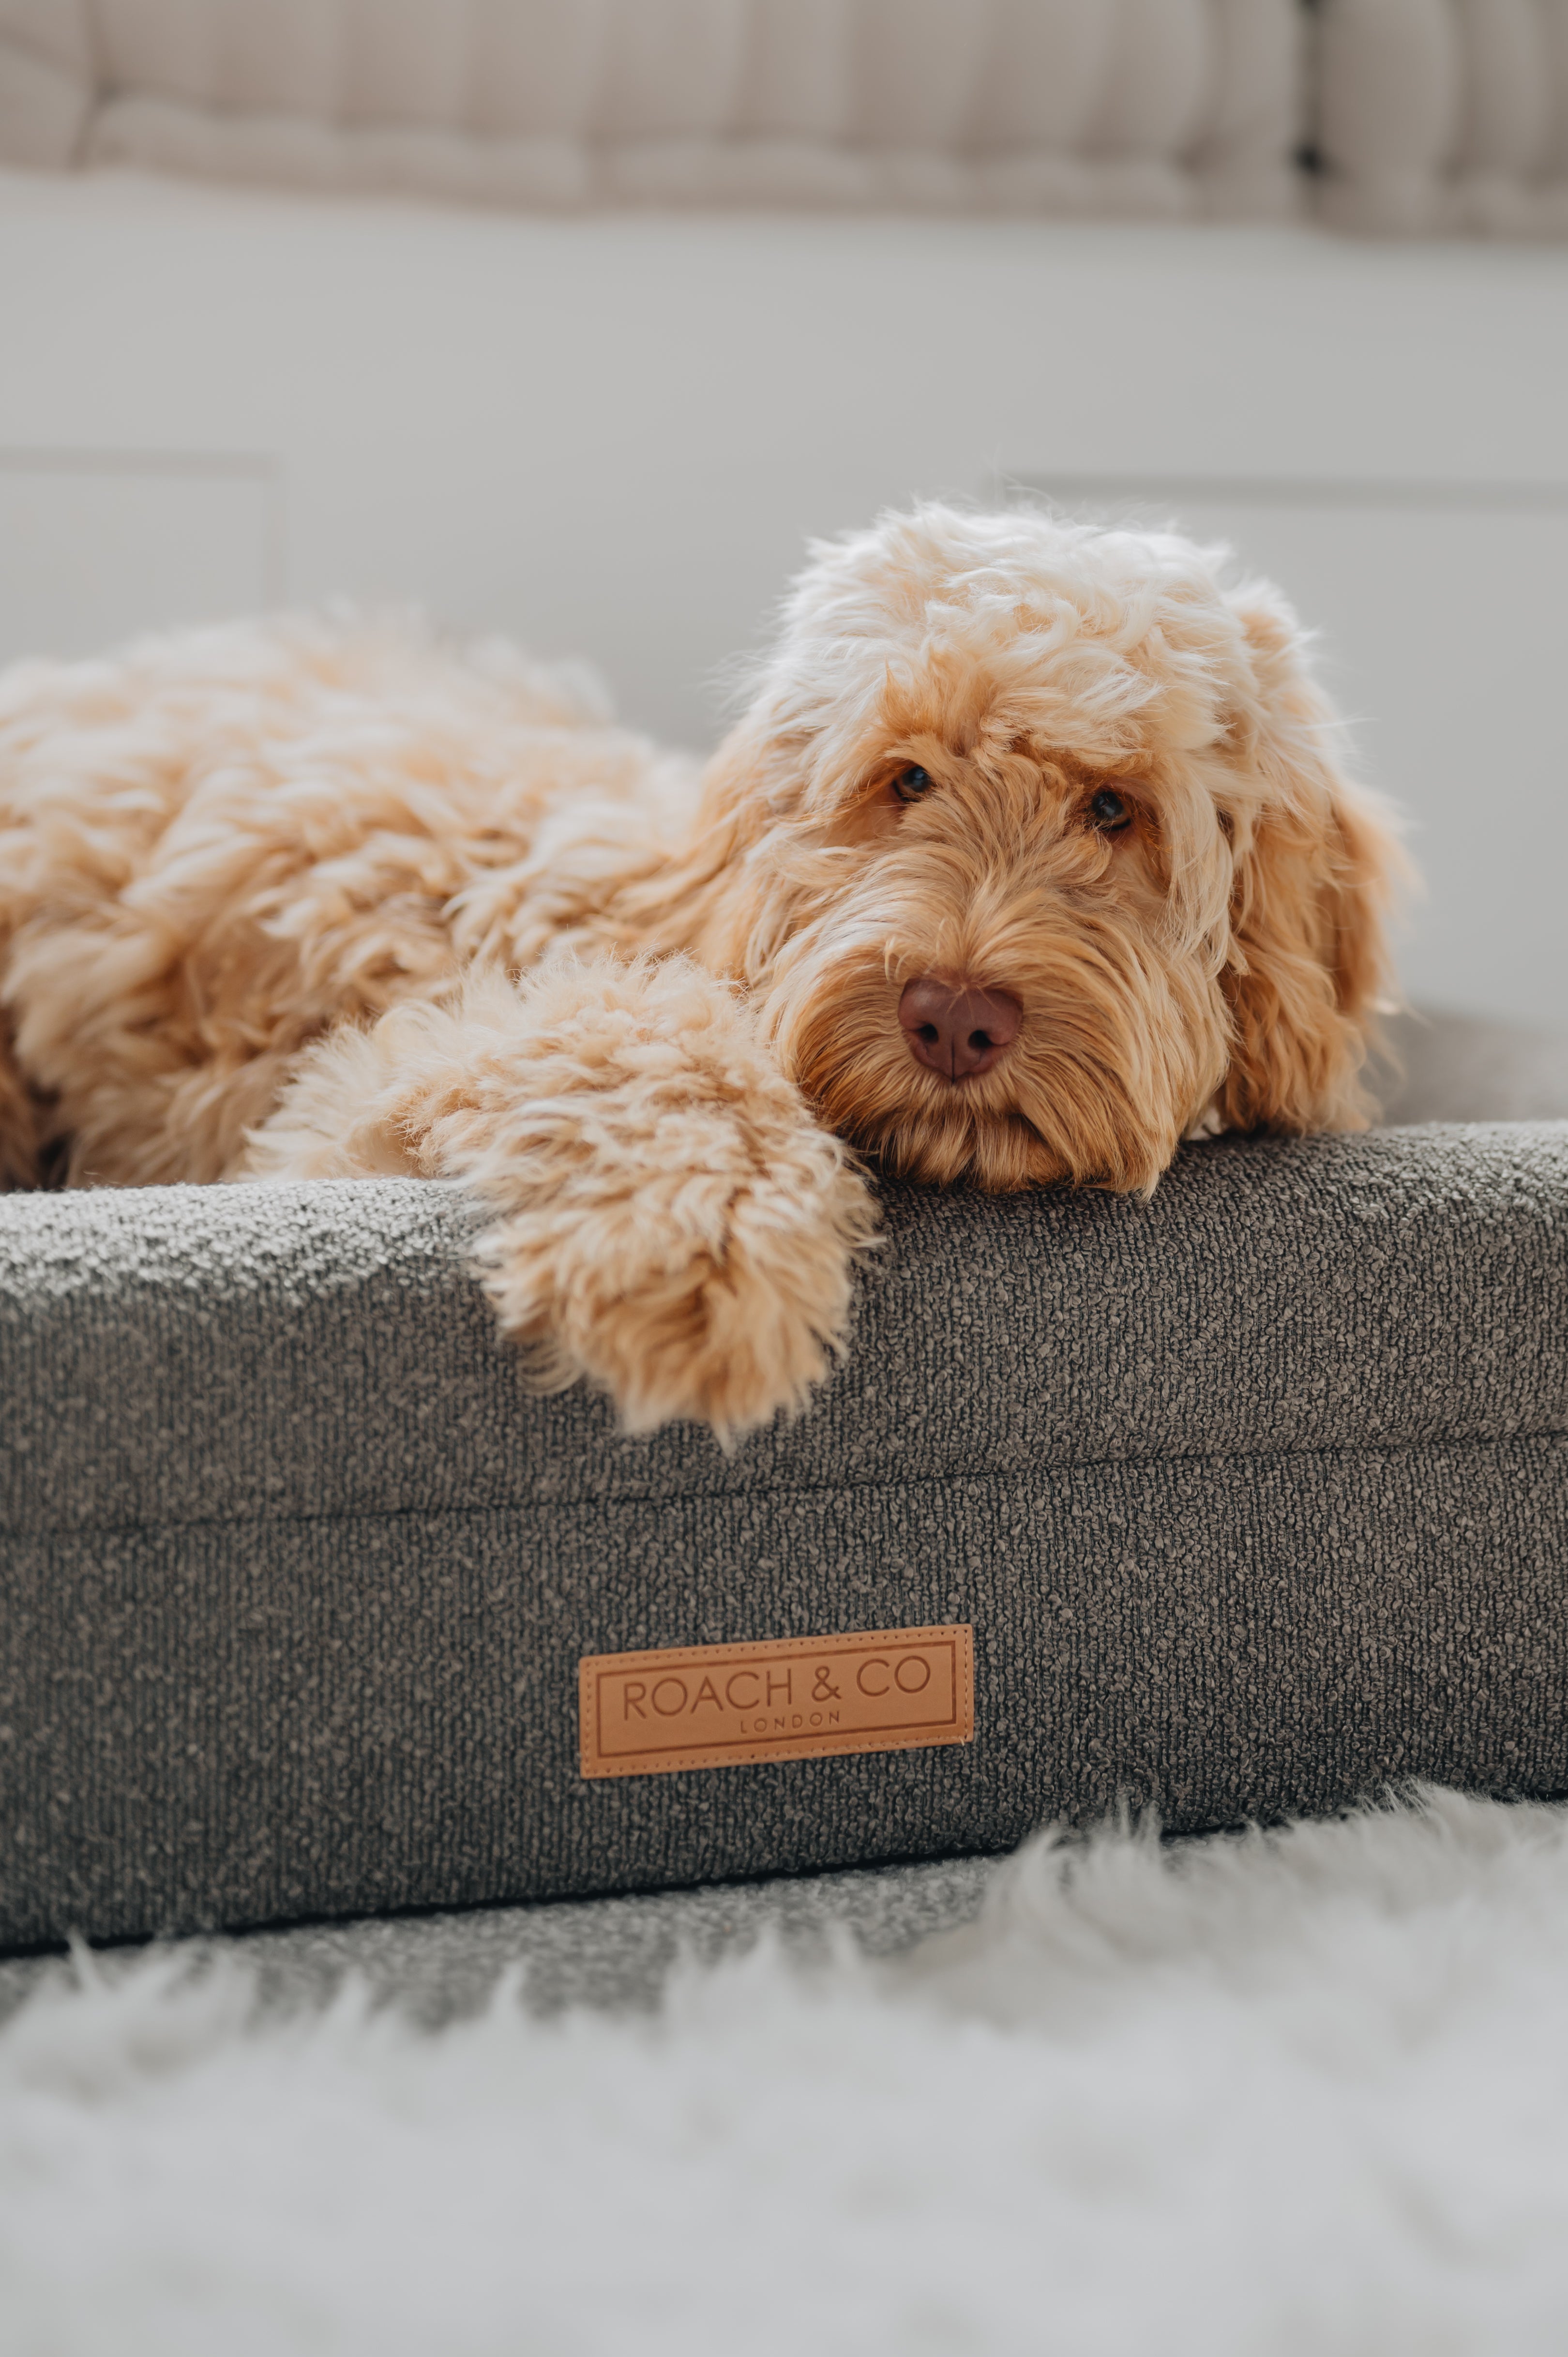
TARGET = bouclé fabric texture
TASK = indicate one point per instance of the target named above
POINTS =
(1255, 1495)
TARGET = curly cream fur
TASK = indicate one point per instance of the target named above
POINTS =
(668, 1223)
(304, 897)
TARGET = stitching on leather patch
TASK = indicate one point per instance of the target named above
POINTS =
(793, 1698)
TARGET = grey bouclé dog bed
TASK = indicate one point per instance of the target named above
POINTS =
(1255, 1497)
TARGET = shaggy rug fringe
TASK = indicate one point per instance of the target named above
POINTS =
(1300, 2091)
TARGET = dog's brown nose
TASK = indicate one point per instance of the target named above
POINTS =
(958, 1032)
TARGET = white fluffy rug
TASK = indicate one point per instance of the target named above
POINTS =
(1295, 2092)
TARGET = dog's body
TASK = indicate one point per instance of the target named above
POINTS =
(1029, 857)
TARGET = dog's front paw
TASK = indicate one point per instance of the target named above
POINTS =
(720, 1300)
(674, 1224)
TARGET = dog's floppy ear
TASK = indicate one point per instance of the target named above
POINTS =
(1317, 860)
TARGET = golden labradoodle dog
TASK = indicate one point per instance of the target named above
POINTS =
(1029, 858)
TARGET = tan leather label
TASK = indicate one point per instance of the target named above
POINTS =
(795, 1698)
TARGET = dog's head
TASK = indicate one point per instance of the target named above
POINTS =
(1033, 850)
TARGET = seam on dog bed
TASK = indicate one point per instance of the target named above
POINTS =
(610, 1501)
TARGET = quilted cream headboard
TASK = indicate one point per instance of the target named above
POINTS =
(1444, 115)
(1152, 108)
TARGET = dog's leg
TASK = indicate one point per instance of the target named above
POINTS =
(20, 1142)
(671, 1222)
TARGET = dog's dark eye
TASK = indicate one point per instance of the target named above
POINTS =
(910, 784)
(1109, 812)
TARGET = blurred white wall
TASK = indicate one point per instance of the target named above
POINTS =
(612, 436)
